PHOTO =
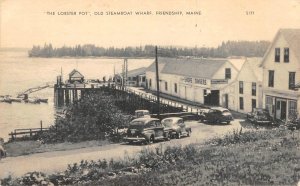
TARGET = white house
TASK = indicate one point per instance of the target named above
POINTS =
(197, 80)
(281, 71)
(135, 77)
(245, 93)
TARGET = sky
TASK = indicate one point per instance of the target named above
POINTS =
(24, 23)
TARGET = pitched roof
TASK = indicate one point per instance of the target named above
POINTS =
(74, 71)
(136, 72)
(255, 63)
(202, 68)
(292, 36)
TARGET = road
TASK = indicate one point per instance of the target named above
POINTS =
(50, 162)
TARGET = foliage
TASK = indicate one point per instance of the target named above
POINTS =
(229, 48)
(93, 117)
(268, 157)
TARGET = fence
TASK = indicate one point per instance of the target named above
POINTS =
(27, 132)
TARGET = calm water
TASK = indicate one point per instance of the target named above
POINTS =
(18, 73)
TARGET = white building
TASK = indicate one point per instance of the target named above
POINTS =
(281, 71)
(135, 77)
(245, 93)
(197, 80)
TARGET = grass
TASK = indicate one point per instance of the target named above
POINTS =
(19, 148)
(270, 157)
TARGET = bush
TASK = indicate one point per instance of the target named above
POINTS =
(94, 117)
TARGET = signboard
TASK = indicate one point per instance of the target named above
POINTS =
(187, 80)
(200, 81)
(219, 81)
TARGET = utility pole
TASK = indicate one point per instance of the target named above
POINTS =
(157, 83)
(123, 76)
(126, 70)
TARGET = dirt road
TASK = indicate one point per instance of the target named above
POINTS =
(50, 162)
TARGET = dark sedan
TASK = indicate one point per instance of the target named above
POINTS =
(260, 116)
(218, 115)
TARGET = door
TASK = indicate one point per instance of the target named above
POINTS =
(280, 109)
(226, 100)
(159, 130)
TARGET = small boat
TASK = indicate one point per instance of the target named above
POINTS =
(43, 100)
(19, 100)
(33, 101)
(7, 100)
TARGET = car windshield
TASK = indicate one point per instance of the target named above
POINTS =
(167, 122)
(139, 114)
(262, 112)
(136, 125)
(226, 111)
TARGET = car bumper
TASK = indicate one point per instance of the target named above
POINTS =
(134, 139)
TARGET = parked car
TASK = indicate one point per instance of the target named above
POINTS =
(146, 130)
(218, 115)
(176, 127)
(260, 116)
(202, 114)
(294, 124)
(142, 114)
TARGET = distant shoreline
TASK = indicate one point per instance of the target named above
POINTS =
(93, 57)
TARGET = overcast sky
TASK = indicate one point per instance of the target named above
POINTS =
(25, 22)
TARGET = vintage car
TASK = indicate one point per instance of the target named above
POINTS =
(176, 127)
(146, 130)
(142, 114)
(260, 116)
(202, 114)
(218, 115)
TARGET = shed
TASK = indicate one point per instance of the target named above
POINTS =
(76, 76)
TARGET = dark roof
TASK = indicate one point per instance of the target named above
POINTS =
(75, 71)
(161, 65)
(203, 68)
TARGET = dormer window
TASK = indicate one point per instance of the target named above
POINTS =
(277, 54)
(286, 55)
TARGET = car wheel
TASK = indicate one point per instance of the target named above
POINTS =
(168, 137)
(228, 122)
(188, 133)
(178, 135)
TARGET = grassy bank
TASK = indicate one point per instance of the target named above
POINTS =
(20, 148)
(270, 157)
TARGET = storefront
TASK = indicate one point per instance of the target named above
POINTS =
(281, 108)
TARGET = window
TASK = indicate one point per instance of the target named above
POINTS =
(227, 73)
(241, 103)
(134, 78)
(166, 86)
(277, 54)
(253, 104)
(175, 87)
(292, 109)
(286, 55)
(253, 89)
(292, 80)
(241, 87)
(150, 83)
(271, 78)
(143, 79)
